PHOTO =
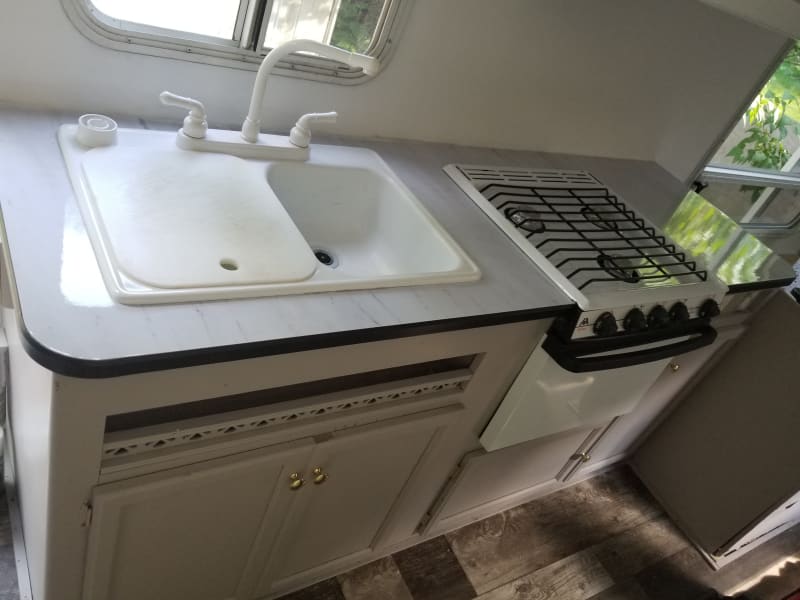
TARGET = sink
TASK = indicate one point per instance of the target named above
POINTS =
(170, 225)
(363, 222)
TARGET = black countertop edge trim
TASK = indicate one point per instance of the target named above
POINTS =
(130, 365)
(738, 288)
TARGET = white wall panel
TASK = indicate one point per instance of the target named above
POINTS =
(625, 78)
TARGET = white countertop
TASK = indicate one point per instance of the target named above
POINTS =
(71, 325)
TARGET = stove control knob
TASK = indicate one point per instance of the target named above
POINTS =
(709, 309)
(679, 313)
(634, 321)
(605, 324)
(657, 317)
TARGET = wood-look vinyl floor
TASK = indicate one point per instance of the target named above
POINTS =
(9, 590)
(602, 539)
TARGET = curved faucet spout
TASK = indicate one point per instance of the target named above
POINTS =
(252, 124)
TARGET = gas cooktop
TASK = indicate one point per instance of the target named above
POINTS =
(592, 244)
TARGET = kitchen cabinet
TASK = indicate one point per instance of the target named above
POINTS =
(187, 471)
(488, 482)
(354, 481)
(720, 463)
(677, 379)
(254, 524)
(187, 533)
(782, 517)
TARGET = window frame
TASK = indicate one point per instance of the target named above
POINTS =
(236, 53)
(772, 179)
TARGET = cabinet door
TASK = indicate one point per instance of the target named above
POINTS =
(354, 480)
(726, 457)
(488, 482)
(188, 532)
(680, 375)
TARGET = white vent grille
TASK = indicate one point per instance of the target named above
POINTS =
(486, 174)
(135, 442)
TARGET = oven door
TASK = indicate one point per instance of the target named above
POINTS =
(584, 383)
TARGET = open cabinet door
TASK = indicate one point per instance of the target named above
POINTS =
(725, 459)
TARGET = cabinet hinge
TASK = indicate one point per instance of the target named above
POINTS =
(423, 522)
(442, 496)
(87, 515)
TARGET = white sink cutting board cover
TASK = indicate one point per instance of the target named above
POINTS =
(172, 218)
(162, 220)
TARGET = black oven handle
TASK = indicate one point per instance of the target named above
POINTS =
(572, 355)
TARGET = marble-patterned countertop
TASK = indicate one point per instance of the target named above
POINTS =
(70, 325)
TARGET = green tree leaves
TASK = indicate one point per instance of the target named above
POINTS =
(355, 24)
(767, 127)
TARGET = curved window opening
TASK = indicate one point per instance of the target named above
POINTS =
(754, 176)
(239, 33)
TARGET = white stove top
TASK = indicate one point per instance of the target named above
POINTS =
(592, 244)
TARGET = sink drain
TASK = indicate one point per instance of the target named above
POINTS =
(228, 264)
(325, 257)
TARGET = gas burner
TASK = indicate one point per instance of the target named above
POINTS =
(599, 219)
(584, 237)
(619, 267)
(616, 265)
(525, 220)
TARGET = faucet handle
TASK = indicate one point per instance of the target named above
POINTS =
(300, 135)
(195, 124)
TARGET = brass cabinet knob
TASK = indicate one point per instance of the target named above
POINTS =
(320, 476)
(674, 367)
(295, 481)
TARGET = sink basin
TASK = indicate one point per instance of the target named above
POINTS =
(171, 225)
(363, 222)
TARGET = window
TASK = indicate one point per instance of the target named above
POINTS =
(754, 177)
(215, 19)
(239, 33)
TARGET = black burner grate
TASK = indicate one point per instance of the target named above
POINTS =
(591, 236)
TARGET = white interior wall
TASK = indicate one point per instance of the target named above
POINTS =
(627, 78)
